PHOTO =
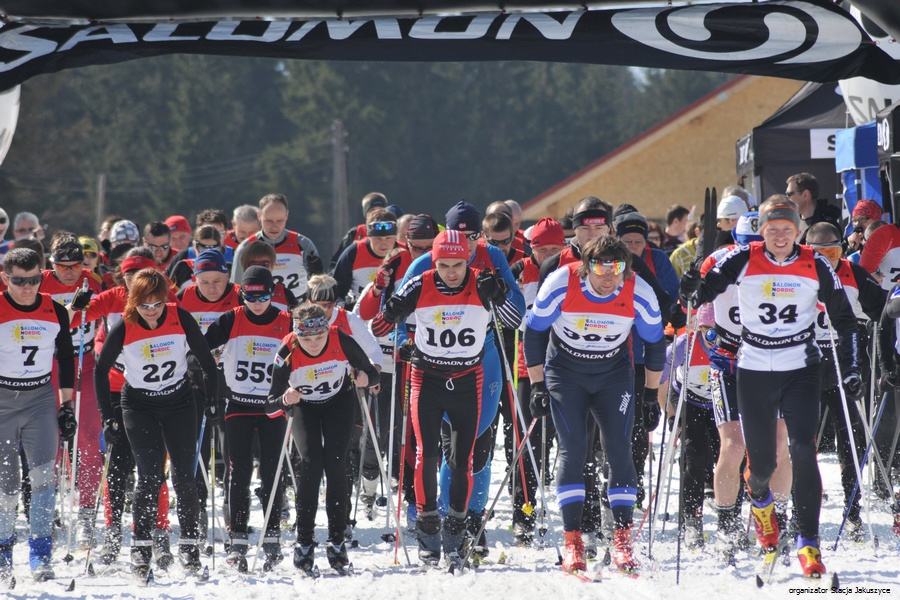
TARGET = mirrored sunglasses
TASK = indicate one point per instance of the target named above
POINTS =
(600, 267)
(260, 298)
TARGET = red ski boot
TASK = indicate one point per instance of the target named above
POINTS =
(764, 519)
(573, 557)
(623, 553)
(810, 558)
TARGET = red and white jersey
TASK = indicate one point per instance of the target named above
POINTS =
(279, 298)
(248, 356)
(63, 294)
(155, 359)
(365, 266)
(289, 268)
(450, 330)
(845, 273)
(481, 259)
(206, 313)
(318, 378)
(882, 254)
(725, 306)
(29, 343)
(890, 268)
(528, 282)
(698, 373)
(587, 329)
(778, 311)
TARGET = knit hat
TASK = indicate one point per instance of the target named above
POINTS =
(422, 227)
(547, 232)
(746, 229)
(178, 223)
(633, 222)
(621, 211)
(398, 212)
(124, 231)
(463, 217)
(89, 244)
(706, 315)
(257, 280)
(210, 260)
(731, 207)
(69, 251)
(868, 209)
(450, 245)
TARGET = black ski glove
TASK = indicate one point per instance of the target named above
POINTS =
(540, 400)
(67, 423)
(491, 287)
(407, 351)
(690, 283)
(81, 299)
(652, 411)
(214, 413)
(853, 385)
(677, 316)
(111, 431)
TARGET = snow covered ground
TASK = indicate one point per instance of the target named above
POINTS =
(528, 573)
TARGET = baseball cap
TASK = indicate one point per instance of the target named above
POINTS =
(547, 232)
(450, 244)
(257, 280)
(210, 260)
(422, 227)
(178, 223)
(731, 207)
(124, 231)
(463, 217)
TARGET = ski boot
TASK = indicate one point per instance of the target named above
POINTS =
(474, 520)
(272, 550)
(428, 527)
(767, 530)
(337, 557)
(573, 555)
(162, 552)
(189, 556)
(112, 544)
(523, 532)
(368, 491)
(810, 558)
(855, 530)
(40, 553)
(304, 558)
(729, 533)
(237, 552)
(623, 553)
(693, 532)
(84, 528)
(454, 538)
(589, 541)
(141, 554)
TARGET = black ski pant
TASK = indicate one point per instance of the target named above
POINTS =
(701, 443)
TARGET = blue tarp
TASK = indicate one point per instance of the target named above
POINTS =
(856, 159)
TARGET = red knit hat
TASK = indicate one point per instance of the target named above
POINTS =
(450, 245)
(547, 232)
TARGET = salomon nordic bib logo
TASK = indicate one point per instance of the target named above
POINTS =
(27, 332)
(260, 348)
(155, 350)
(790, 33)
(588, 324)
(322, 372)
(448, 318)
(772, 288)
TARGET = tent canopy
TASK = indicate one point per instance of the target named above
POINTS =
(810, 40)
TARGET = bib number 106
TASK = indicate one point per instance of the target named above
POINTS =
(448, 338)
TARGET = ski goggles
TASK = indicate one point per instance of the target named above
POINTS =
(260, 298)
(604, 267)
(381, 228)
(151, 305)
(23, 281)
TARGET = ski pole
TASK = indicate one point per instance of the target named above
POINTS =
(275, 482)
(670, 453)
(362, 455)
(856, 484)
(65, 500)
(199, 443)
(103, 476)
(506, 477)
(403, 441)
(368, 423)
(73, 471)
(393, 395)
(212, 493)
(840, 385)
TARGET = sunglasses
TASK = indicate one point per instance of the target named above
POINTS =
(25, 229)
(789, 194)
(602, 267)
(206, 247)
(473, 237)
(503, 242)
(23, 281)
(422, 249)
(151, 305)
(833, 244)
(75, 267)
(164, 247)
(382, 226)
(255, 299)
